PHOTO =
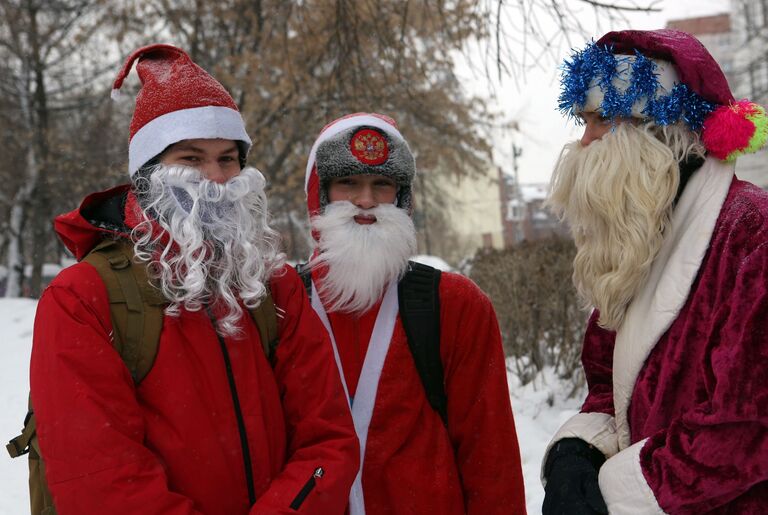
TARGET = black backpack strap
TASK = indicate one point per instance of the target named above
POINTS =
(419, 304)
(305, 272)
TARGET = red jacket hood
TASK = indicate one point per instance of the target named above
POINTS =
(77, 232)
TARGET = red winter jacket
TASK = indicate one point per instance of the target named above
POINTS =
(413, 464)
(171, 445)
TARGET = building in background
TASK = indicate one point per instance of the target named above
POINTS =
(493, 210)
(739, 42)
(750, 74)
(525, 216)
(716, 34)
(457, 216)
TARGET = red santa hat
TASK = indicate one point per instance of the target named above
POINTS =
(178, 100)
(666, 76)
(359, 143)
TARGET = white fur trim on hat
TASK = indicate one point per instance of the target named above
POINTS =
(665, 72)
(342, 125)
(208, 122)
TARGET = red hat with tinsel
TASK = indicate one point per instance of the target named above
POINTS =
(666, 76)
(178, 100)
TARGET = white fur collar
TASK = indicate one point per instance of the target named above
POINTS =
(662, 297)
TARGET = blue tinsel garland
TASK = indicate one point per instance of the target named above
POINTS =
(599, 64)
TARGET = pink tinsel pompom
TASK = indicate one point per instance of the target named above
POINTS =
(728, 129)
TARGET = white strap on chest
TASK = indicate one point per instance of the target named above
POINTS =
(368, 384)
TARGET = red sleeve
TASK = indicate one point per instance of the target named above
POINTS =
(597, 359)
(318, 419)
(715, 453)
(89, 425)
(480, 420)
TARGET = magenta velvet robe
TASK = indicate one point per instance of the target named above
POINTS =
(686, 429)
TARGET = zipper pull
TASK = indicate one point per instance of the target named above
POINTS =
(307, 488)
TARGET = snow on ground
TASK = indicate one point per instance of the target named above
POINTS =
(16, 317)
(539, 407)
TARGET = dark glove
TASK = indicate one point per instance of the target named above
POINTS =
(571, 472)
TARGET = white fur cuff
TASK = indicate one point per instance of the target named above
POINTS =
(623, 485)
(597, 429)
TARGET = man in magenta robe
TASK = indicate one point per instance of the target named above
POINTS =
(672, 254)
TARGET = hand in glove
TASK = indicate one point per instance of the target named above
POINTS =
(571, 472)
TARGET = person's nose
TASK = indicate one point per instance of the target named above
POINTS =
(215, 172)
(364, 197)
(592, 131)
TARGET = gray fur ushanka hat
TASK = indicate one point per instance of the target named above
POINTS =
(358, 144)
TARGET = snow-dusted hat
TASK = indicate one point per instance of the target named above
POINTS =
(356, 144)
(665, 76)
(178, 100)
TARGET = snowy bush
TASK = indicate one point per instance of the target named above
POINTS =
(541, 321)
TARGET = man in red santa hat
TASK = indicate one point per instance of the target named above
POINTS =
(672, 253)
(211, 424)
(419, 352)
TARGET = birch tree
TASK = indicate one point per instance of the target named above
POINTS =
(40, 41)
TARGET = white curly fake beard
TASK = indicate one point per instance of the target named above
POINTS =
(361, 260)
(221, 247)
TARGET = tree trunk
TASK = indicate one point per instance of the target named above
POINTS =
(15, 261)
(38, 198)
(40, 237)
(303, 243)
(19, 213)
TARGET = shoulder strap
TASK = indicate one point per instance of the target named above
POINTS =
(419, 305)
(136, 310)
(305, 272)
(136, 307)
(419, 300)
(22, 443)
(265, 317)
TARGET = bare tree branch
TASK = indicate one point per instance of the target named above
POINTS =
(618, 7)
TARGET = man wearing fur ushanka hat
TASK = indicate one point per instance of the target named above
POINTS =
(418, 351)
(672, 254)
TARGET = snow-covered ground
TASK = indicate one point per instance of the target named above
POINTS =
(540, 408)
(16, 318)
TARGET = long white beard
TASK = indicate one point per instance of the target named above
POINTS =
(361, 260)
(617, 196)
(221, 247)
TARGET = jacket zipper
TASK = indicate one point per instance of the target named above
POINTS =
(307, 488)
(238, 413)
